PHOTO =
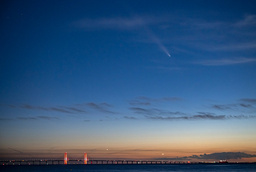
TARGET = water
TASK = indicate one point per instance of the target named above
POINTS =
(132, 168)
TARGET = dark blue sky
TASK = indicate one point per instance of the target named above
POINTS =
(104, 66)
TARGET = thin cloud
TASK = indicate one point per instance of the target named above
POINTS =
(130, 117)
(140, 110)
(59, 109)
(56, 109)
(62, 109)
(139, 103)
(27, 106)
(47, 117)
(154, 111)
(247, 21)
(195, 117)
(73, 109)
(158, 114)
(115, 23)
(238, 35)
(221, 107)
(26, 118)
(37, 118)
(226, 61)
(234, 47)
(245, 105)
(149, 101)
(240, 117)
(102, 107)
(208, 116)
(205, 113)
(248, 100)
(145, 111)
(235, 106)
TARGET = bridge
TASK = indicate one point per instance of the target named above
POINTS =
(81, 161)
(84, 161)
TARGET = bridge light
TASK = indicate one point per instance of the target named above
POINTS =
(65, 158)
(85, 158)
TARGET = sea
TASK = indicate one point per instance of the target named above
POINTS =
(131, 168)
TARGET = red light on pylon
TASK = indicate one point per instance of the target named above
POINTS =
(65, 158)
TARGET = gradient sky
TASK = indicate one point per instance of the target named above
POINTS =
(127, 79)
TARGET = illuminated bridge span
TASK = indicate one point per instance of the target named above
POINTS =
(81, 161)
(85, 160)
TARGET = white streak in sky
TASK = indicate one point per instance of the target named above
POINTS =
(124, 24)
(158, 42)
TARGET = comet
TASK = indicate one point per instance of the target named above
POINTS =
(158, 42)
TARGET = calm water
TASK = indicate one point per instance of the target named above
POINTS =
(132, 168)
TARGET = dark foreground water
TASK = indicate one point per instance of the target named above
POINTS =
(132, 168)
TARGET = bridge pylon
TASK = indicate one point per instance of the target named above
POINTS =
(85, 158)
(65, 158)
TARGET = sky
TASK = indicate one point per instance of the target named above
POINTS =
(167, 79)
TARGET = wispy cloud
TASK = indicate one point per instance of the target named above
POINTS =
(233, 47)
(38, 118)
(245, 104)
(130, 117)
(153, 111)
(194, 117)
(158, 114)
(225, 61)
(47, 117)
(247, 21)
(240, 117)
(61, 109)
(220, 36)
(73, 109)
(140, 110)
(149, 101)
(102, 107)
(202, 24)
(221, 107)
(249, 100)
(116, 22)
(28, 118)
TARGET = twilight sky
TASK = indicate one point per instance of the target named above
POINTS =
(128, 79)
